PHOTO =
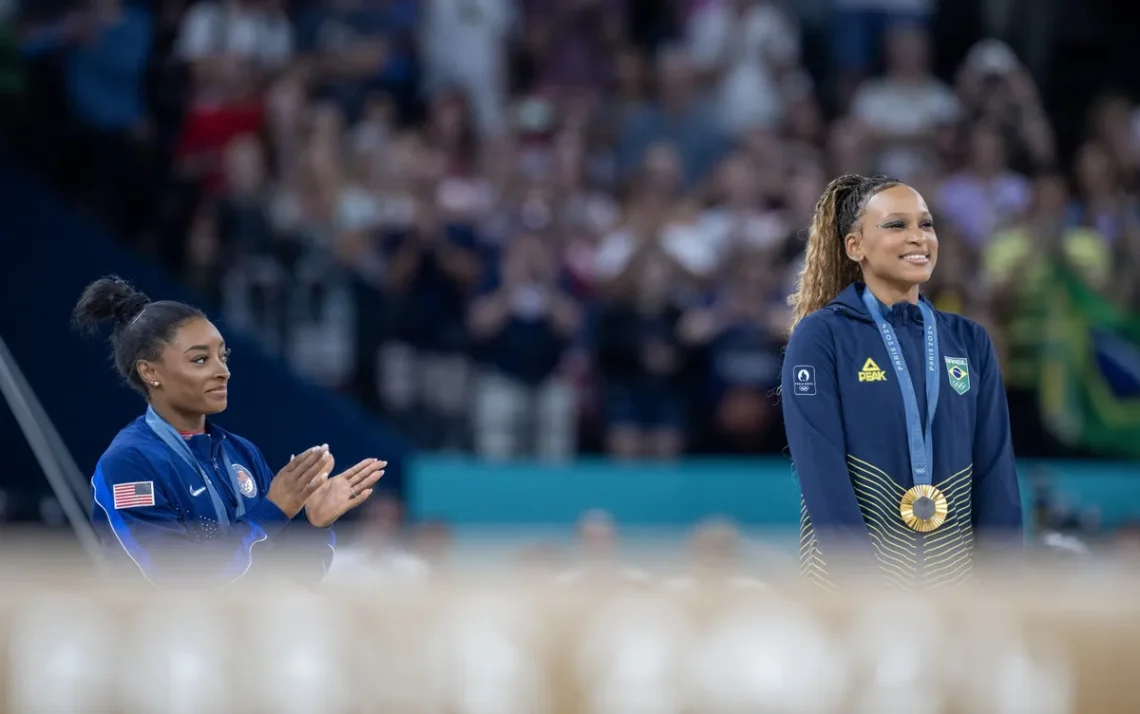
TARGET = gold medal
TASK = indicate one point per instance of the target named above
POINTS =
(923, 508)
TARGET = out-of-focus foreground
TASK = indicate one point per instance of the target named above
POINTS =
(529, 643)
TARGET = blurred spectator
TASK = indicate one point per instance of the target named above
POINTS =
(985, 196)
(569, 44)
(432, 266)
(542, 560)
(738, 214)
(859, 27)
(232, 49)
(678, 116)
(849, 148)
(431, 542)
(464, 46)
(216, 33)
(742, 331)
(642, 364)
(1015, 257)
(995, 89)
(906, 106)
(1015, 268)
(235, 238)
(523, 323)
(501, 225)
(750, 50)
(1115, 123)
(587, 212)
(353, 48)
(1099, 200)
(107, 46)
(598, 565)
(225, 102)
(657, 219)
(715, 559)
(378, 555)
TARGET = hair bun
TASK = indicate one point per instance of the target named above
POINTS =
(130, 307)
(108, 298)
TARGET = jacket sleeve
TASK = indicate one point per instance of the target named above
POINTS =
(162, 544)
(814, 424)
(997, 510)
(304, 551)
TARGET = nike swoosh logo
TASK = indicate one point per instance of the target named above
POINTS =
(197, 492)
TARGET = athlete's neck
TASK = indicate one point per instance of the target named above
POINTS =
(890, 294)
(187, 423)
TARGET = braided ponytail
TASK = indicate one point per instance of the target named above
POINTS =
(827, 270)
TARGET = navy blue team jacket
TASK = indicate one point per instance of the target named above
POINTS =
(166, 522)
(846, 428)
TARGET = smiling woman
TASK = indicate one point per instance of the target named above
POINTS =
(891, 475)
(180, 497)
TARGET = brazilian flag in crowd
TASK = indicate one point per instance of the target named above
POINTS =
(1090, 368)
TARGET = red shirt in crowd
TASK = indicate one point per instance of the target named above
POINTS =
(207, 132)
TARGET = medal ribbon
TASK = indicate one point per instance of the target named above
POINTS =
(921, 443)
(174, 440)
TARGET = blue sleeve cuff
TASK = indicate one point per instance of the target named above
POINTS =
(268, 516)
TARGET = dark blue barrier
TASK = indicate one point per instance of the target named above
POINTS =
(49, 255)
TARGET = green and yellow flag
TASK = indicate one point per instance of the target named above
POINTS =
(1089, 368)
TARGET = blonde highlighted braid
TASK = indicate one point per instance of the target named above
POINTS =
(827, 270)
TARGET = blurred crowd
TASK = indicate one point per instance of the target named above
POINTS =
(383, 548)
(552, 226)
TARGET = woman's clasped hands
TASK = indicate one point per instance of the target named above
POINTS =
(304, 482)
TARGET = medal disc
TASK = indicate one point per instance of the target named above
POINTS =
(923, 508)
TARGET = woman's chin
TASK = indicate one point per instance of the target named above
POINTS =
(916, 274)
(216, 403)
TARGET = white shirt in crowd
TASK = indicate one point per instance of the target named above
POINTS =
(682, 244)
(464, 44)
(746, 47)
(904, 109)
(894, 107)
(698, 245)
(224, 28)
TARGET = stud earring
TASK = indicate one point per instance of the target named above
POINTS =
(154, 384)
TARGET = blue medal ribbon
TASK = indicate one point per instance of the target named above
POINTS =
(174, 440)
(921, 441)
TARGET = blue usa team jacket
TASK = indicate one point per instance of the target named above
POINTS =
(846, 429)
(166, 522)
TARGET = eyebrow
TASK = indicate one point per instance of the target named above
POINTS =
(903, 216)
(203, 348)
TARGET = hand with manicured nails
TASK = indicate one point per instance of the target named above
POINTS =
(340, 494)
(300, 479)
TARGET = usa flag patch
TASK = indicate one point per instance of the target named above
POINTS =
(134, 494)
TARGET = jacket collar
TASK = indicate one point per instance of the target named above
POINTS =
(850, 302)
(212, 429)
